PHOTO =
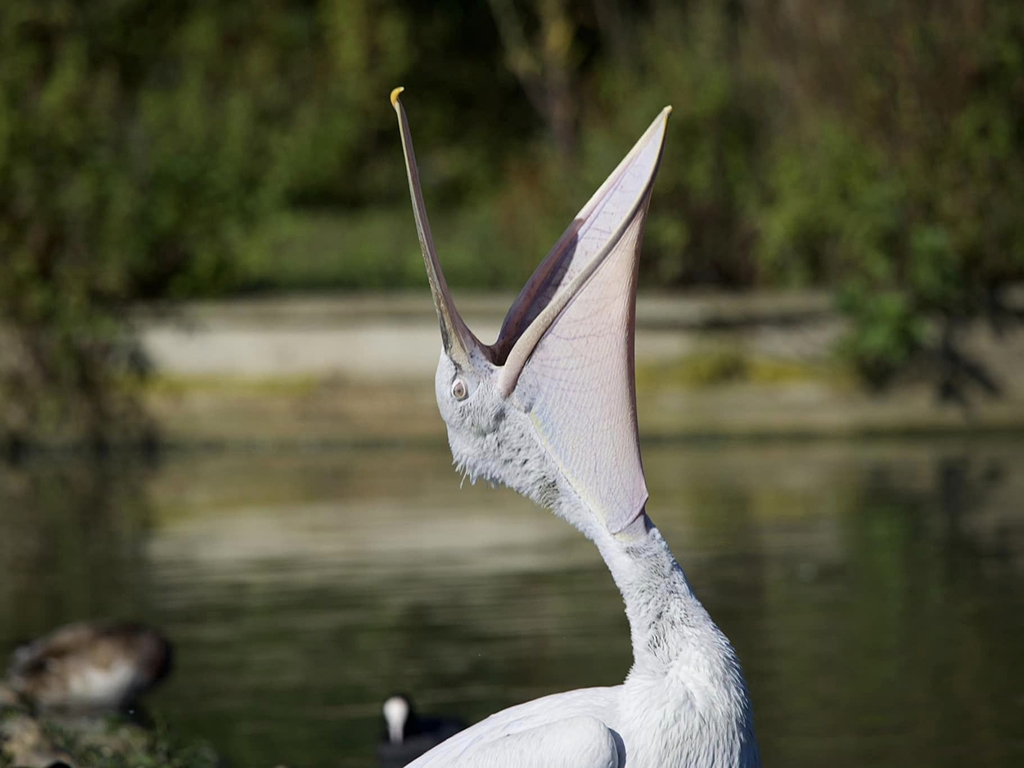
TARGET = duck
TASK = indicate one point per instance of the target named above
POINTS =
(90, 667)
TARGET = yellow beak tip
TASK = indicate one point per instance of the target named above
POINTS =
(395, 94)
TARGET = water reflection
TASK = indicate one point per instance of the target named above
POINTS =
(73, 542)
(873, 590)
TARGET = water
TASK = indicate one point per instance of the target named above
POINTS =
(874, 590)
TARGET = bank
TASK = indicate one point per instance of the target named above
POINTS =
(360, 369)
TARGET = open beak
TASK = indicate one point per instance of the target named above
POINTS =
(458, 340)
(565, 352)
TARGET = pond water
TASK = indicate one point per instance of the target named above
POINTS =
(874, 590)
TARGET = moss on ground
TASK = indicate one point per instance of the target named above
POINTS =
(116, 744)
(27, 740)
(730, 365)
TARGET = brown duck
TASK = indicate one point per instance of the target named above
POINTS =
(90, 667)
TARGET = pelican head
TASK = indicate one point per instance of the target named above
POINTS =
(549, 409)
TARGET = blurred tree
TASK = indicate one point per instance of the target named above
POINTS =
(687, 55)
(871, 146)
(547, 66)
(628, 62)
(898, 171)
(132, 152)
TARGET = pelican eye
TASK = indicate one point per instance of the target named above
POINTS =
(459, 389)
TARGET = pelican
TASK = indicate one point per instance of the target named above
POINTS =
(549, 410)
(90, 667)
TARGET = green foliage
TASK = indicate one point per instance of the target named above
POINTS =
(142, 143)
(132, 161)
(688, 57)
(898, 187)
(156, 151)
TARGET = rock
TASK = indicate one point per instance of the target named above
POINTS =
(8, 698)
(26, 744)
(53, 741)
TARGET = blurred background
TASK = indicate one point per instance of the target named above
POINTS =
(217, 350)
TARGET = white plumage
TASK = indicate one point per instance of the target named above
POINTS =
(549, 410)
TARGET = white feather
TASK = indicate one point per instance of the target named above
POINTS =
(101, 687)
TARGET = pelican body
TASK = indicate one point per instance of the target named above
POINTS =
(549, 410)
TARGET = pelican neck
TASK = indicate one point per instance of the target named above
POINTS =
(666, 619)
